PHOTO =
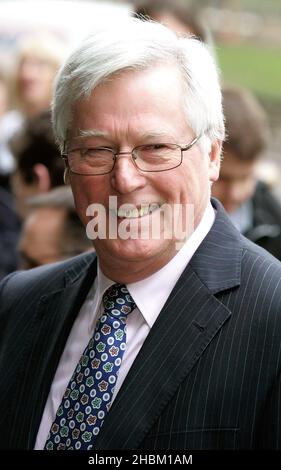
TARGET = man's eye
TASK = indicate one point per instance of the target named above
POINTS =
(159, 146)
(96, 152)
(154, 147)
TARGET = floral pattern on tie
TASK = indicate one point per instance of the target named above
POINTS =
(87, 398)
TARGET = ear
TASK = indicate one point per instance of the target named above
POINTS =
(42, 176)
(214, 160)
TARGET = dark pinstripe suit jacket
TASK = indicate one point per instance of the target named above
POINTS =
(207, 376)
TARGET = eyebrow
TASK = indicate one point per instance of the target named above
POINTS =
(156, 135)
(99, 133)
(92, 133)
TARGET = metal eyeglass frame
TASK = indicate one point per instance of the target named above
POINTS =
(64, 155)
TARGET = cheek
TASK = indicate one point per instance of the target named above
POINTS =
(49, 79)
(194, 180)
(88, 190)
(19, 188)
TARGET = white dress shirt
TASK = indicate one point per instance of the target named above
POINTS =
(149, 295)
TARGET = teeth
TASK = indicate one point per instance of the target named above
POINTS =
(143, 211)
(153, 207)
(135, 213)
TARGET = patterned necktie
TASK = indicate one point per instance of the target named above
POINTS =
(88, 395)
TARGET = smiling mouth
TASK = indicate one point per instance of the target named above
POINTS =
(135, 212)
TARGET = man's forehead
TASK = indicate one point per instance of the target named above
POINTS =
(152, 78)
(150, 134)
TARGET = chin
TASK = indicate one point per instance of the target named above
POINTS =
(132, 250)
(231, 208)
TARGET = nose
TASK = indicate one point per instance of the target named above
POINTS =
(126, 177)
(27, 70)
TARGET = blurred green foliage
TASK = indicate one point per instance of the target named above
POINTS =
(255, 6)
(260, 6)
(256, 67)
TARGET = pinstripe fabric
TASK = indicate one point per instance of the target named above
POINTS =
(207, 376)
(32, 337)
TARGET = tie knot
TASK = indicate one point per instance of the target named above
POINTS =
(117, 301)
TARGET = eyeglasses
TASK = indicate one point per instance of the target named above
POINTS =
(148, 158)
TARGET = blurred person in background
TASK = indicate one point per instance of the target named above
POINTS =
(9, 221)
(182, 19)
(9, 234)
(249, 202)
(38, 58)
(9, 123)
(39, 167)
(52, 231)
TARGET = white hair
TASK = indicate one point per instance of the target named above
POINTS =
(135, 45)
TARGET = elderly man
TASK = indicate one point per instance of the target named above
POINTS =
(168, 339)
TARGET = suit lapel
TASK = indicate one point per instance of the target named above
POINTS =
(186, 325)
(53, 321)
(190, 319)
(183, 330)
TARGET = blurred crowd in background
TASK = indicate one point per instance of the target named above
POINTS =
(38, 222)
